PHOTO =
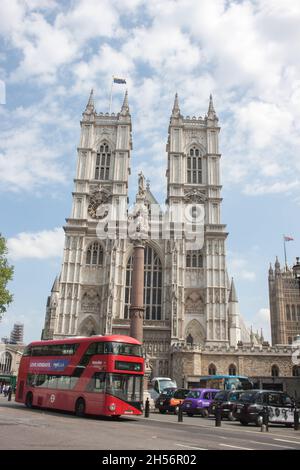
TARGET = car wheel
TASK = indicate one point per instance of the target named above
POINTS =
(190, 414)
(230, 416)
(244, 423)
(80, 407)
(259, 420)
(29, 400)
(204, 413)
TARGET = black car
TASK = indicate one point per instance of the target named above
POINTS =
(252, 405)
(227, 401)
(170, 399)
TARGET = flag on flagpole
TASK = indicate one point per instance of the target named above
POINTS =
(119, 80)
(287, 238)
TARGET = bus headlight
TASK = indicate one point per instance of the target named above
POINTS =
(112, 407)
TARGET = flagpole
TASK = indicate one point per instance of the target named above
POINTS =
(110, 99)
(284, 246)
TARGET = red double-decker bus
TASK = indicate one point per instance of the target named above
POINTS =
(99, 375)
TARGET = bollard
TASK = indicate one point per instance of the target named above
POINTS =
(296, 419)
(147, 408)
(9, 395)
(265, 422)
(218, 415)
(180, 415)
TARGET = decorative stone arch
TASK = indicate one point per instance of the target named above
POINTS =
(102, 140)
(195, 331)
(90, 301)
(212, 370)
(91, 246)
(153, 288)
(88, 327)
(194, 302)
(155, 246)
(197, 143)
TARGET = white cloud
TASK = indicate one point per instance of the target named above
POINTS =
(90, 19)
(238, 267)
(39, 245)
(260, 188)
(244, 52)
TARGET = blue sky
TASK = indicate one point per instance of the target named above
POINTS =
(246, 53)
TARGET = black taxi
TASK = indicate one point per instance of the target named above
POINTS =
(252, 405)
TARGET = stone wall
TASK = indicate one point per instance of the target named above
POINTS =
(190, 362)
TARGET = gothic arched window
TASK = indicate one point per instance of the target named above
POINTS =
(288, 313)
(194, 259)
(296, 371)
(212, 370)
(232, 369)
(5, 362)
(293, 313)
(194, 166)
(275, 371)
(94, 254)
(103, 161)
(152, 285)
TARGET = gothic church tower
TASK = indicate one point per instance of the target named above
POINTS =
(200, 301)
(89, 291)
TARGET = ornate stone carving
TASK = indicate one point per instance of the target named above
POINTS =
(90, 301)
(194, 196)
(99, 196)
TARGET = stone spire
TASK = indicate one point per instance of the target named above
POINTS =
(271, 272)
(234, 316)
(176, 109)
(211, 113)
(232, 295)
(90, 107)
(125, 105)
(55, 287)
(277, 265)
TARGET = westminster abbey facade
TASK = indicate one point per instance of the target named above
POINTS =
(189, 298)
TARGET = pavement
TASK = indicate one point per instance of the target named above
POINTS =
(22, 428)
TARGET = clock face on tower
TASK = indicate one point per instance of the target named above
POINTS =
(92, 209)
(97, 210)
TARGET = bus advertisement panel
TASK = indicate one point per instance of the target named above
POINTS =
(99, 375)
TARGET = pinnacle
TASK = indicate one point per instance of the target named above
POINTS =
(176, 109)
(125, 105)
(90, 104)
(232, 295)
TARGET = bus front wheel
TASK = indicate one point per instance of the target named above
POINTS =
(29, 400)
(80, 407)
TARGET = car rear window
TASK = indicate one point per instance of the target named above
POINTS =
(193, 394)
(234, 396)
(181, 393)
(220, 396)
(248, 397)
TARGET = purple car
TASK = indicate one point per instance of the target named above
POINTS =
(198, 401)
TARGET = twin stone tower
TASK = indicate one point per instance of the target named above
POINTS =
(188, 297)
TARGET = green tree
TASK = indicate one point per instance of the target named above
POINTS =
(6, 274)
